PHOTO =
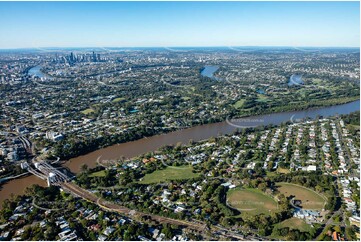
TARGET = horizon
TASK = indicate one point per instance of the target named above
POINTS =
(166, 47)
(179, 24)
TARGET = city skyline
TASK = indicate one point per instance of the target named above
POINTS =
(179, 24)
(180, 121)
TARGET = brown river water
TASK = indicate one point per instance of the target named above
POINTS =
(197, 133)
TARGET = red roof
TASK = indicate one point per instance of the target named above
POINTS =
(334, 236)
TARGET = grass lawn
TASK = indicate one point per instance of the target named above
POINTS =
(283, 170)
(262, 98)
(239, 103)
(118, 99)
(317, 81)
(87, 111)
(98, 174)
(170, 173)
(353, 126)
(295, 223)
(310, 199)
(292, 223)
(302, 92)
(271, 173)
(251, 201)
(191, 90)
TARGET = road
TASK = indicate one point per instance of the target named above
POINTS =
(329, 222)
(338, 188)
(110, 206)
(129, 212)
(201, 227)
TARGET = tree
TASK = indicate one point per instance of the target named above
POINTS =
(51, 231)
(84, 167)
(283, 202)
(167, 231)
(127, 236)
(92, 236)
(262, 186)
(337, 229)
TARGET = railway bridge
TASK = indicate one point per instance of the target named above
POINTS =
(55, 177)
(47, 172)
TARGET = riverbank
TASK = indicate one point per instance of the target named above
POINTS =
(17, 186)
(135, 148)
(197, 133)
(242, 116)
(4, 179)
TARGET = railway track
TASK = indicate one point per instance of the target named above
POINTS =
(110, 206)
(200, 227)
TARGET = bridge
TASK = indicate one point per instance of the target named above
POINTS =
(55, 177)
(47, 172)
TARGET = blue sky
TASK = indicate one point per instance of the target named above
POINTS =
(148, 24)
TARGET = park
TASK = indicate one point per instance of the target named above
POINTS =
(169, 173)
(251, 201)
(309, 198)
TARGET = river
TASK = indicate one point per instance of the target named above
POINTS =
(197, 133)
(208, 71)
(17, 186)
(295, 80)
(36, 71)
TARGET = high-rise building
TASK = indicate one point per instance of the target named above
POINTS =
(72, 59)
(94, 57)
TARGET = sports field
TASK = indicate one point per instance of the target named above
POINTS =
(170, 173)
(251, 201)
(310, 199)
